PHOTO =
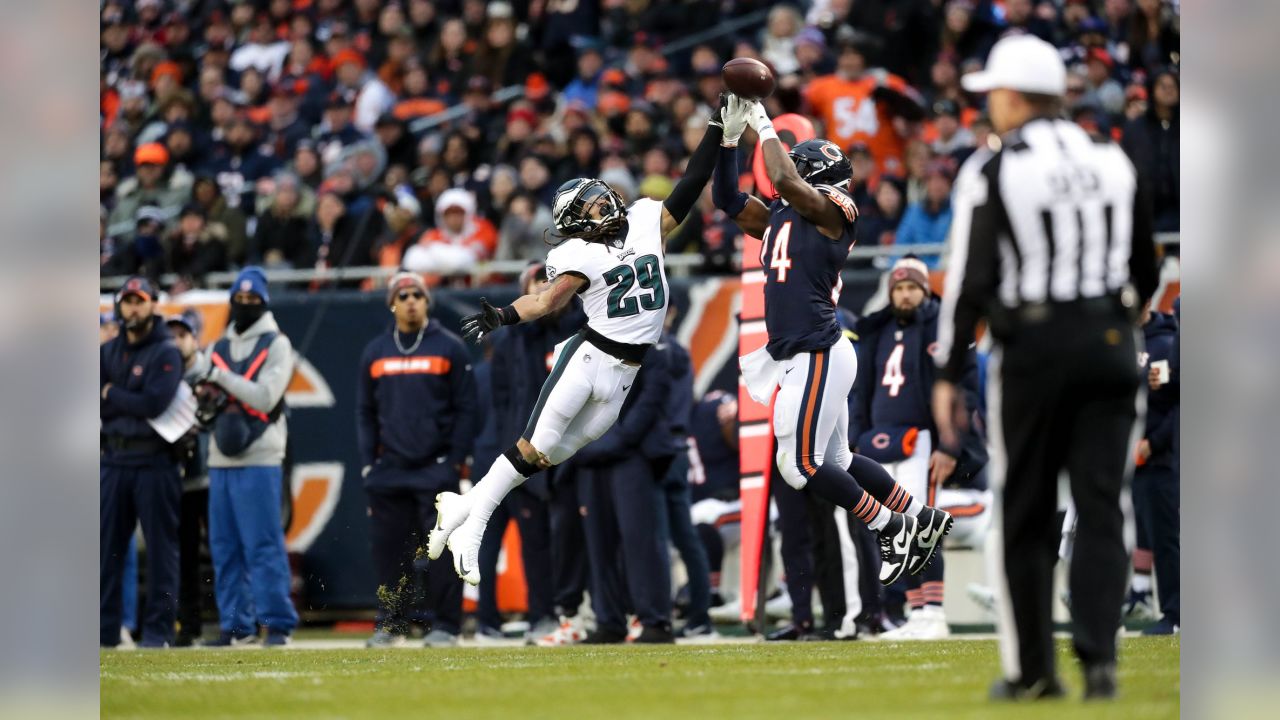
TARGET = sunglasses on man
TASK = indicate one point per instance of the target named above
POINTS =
(406, 294)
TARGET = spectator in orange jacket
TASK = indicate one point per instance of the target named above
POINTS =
(460, 239)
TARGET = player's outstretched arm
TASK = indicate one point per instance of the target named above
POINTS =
(751, 215)
(807, 200)
(696, 175)
(525, 308)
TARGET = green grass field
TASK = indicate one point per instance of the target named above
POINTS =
(784, 681)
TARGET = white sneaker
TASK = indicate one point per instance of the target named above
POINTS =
(570, 632)
(778, 607)
(464, 543)
(932, 625)
(730, 612)
(126, 639)
(452, 510)
(906, 630)
(634, 628)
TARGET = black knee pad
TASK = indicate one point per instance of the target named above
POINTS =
(522, 466)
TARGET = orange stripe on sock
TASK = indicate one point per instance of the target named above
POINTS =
(861, 505)
(873, 509)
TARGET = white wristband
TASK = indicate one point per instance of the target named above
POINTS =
(767, 132)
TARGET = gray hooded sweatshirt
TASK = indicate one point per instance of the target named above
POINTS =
(262, 393)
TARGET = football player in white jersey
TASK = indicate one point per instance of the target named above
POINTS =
(612, 255)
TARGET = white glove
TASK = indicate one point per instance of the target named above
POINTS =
(733, 114)
(757, 118)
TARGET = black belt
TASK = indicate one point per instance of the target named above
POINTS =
(134, 445)
(1106, 306)
(625, 352)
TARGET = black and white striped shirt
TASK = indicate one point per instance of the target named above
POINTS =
(1054, 216)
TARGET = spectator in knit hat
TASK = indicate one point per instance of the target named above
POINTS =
(460, 239)
(373, 96)
(150, 187)
(929, 220)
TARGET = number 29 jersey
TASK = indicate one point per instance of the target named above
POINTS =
(626, 296)
(802, 276)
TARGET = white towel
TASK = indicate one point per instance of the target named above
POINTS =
(760, 373)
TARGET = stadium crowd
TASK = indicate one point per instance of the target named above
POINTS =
(345, 133)
(313, 133)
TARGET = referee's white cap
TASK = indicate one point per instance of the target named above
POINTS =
(1020, 62)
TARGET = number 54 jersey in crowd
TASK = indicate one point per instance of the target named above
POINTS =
(626, 298)
(802, 276)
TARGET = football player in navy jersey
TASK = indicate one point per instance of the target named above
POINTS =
(806, 236)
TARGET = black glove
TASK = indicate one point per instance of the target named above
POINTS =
(716, 116)
(475, 327)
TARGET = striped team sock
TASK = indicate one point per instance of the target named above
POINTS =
(900, 500)
(870, 511)
(931, 592)
(915, 598)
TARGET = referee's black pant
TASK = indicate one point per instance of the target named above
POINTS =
(1062, 395)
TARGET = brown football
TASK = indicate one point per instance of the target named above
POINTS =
(748, 78)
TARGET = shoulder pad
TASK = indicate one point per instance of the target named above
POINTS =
(841, 199)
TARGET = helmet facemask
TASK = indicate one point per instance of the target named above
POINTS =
(573, 216)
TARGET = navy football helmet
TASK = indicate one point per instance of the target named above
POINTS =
(820, 162)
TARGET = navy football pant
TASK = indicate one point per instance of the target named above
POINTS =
(399, 520)
(534, 522)
(246, 540)
(127, 496)
(568, 557)
(1157, 502)
(630, 568)
(676, 524)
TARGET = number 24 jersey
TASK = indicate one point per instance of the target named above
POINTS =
(626, 298)
(802, 277)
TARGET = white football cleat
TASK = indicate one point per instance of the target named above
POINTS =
(464, 543)
(926, 623)
(570, 632)
(897, 539)
(452, 510)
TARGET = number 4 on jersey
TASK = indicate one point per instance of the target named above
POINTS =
(893, 377)
(779, 259)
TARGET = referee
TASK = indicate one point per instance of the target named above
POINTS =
(1051, 238)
